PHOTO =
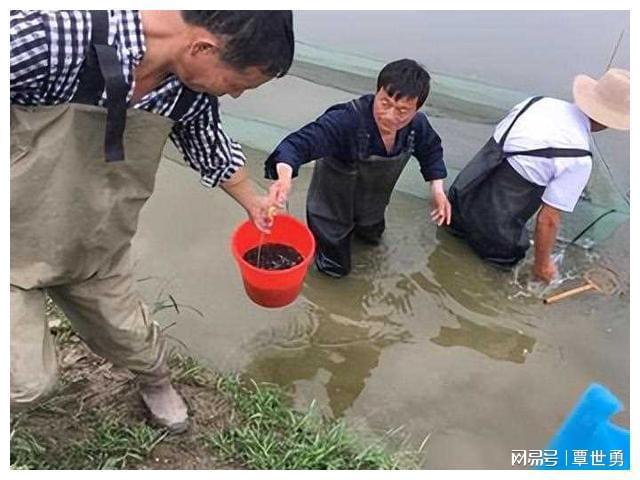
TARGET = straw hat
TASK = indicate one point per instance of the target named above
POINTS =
(606, 100)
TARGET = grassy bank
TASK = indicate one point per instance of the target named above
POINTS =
(95, 420)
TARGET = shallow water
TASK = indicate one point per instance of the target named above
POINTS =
(421, 337)
(423, 342)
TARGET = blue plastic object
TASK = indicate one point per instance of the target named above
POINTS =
(587, 440)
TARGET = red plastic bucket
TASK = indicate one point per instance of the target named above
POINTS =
(273, 288)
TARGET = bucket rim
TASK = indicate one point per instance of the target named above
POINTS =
(305, 260)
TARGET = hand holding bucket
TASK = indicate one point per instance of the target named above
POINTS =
(273, 288)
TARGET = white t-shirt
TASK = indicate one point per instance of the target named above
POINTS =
(550, 123)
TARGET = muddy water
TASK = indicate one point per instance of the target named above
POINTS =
(273, 256)
(422, 337)
(421, 341)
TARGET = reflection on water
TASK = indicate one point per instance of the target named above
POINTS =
(466, 284)
(377, 343)
(337, 338)
(497, 342)
(338, 358)
(421, 286)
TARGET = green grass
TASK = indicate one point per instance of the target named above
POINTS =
(269, 435)
(61, 327)
(27, 452)
(262, 430)
(265, 433)
(186, 369)
(112, 444)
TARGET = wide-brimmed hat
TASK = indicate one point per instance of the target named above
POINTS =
(606, 100)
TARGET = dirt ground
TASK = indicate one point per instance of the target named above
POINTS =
(90, 385)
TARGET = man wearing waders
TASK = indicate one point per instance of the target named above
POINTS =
(538, 160)
(94, 97)
(362, 147)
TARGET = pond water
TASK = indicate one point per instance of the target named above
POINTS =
(422, 342)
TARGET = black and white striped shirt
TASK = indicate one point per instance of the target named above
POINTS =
(47, 51)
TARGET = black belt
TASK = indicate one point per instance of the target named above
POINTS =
(102, 68)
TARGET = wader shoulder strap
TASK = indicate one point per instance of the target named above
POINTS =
(184, 102)
(551, 152)
(363, 135)
(91, 82)
(102, 67)
(548, 152)
(213, 101)
(526, 107)
(411, 138)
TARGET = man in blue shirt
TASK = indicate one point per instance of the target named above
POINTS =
(364, 146)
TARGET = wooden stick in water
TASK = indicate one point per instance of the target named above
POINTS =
(569, 293)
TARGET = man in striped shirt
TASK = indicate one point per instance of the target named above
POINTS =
(94, 96)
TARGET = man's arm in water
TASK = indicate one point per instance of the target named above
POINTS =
(547, 226)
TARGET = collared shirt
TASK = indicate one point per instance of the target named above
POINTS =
(47, 52)
(335, 134)
(550, 123)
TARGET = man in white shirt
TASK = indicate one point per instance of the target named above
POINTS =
(545, 143)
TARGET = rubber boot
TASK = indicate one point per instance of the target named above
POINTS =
(166, 406)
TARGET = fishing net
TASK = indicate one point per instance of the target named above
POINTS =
(602, 208)
(603, 279)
